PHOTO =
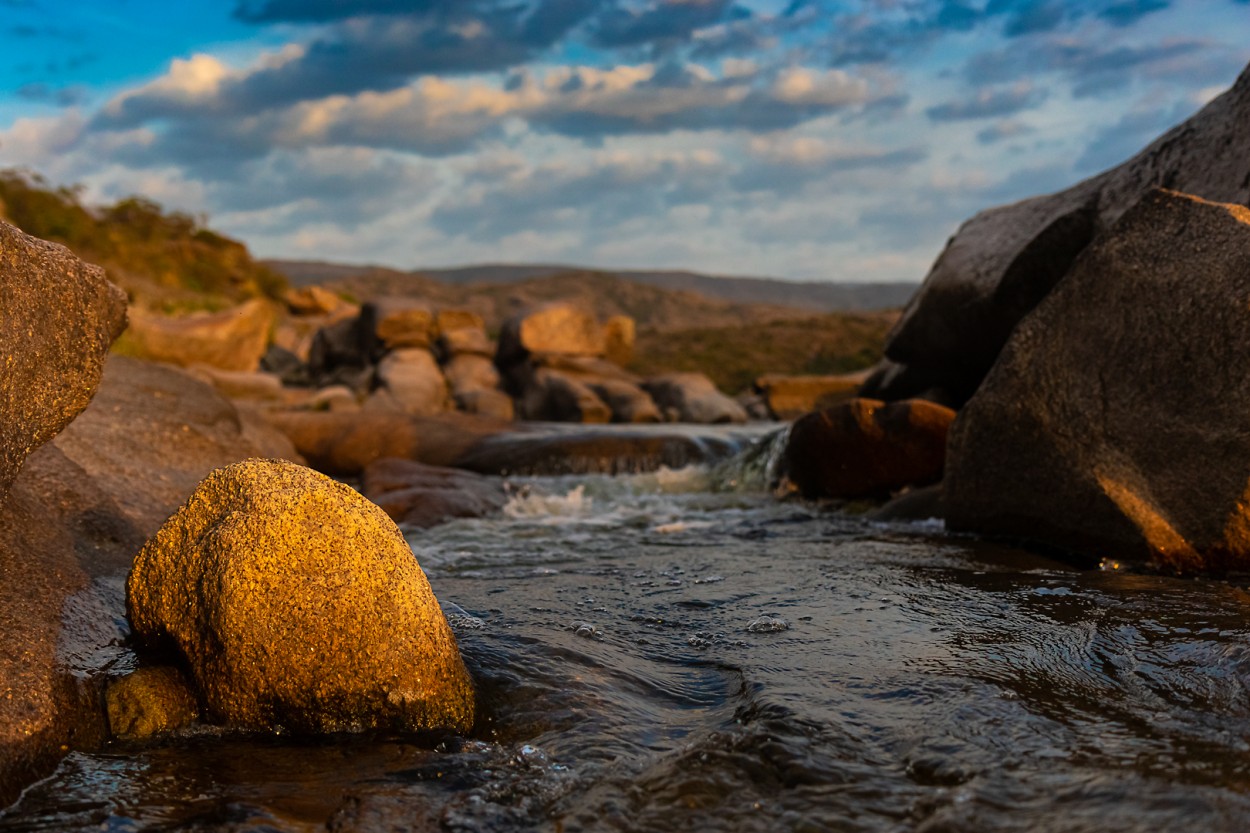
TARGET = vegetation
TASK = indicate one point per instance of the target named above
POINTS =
(734, 357)
(166, 260)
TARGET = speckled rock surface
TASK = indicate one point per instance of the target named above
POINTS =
(57, 321)
(1114, 423)
(149, 702)
(298, 604)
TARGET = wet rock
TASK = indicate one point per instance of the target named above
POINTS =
(57, 321)
(595, 451)
(1004, 261)
(1114, 421)
(150, 701)
(233, 339)
(691, 397)
(413, 378)
(790, 397)
(923, 504)
(297, 604)
(556, 328)
(401, 322)
(866, 448)
(418, 495)
(619, 335)
(558, 397)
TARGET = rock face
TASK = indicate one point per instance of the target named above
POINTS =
(296, 603)
(691, 397)
(1115, 419)
(58, 319)
(233, 339)
(413, 378)
(866, 448)
(1004, 261)
(556, 328)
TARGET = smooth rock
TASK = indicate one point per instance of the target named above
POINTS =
(312, 300)
(150, 701)
(619, 336)
(558, 397)
(596, 450)
(1114, 422)
(298, 605)
(554, 328)
(287, 366)
(465, 341)
(418, 495)
(1004, 261)
(692, 397)
(57, 321)
(402, 322)
(413, 378)
(629, 402)
(455, 320)
(233, 339)
(239, 384)
(790, 397)
(467, 372)
(866, 449)
(154, 431)
(333, 398)
(494, 404)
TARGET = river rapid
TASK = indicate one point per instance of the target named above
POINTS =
(679, 650)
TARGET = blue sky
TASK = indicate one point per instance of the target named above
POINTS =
(809, 139)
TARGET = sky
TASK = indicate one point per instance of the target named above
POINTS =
(829, 140)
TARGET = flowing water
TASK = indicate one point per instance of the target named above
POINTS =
(681, 651)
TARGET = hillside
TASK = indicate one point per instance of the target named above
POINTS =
(164, 260)
(819, 297)
(734, 356)
(599, 293)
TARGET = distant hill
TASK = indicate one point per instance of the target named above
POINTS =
(811, 296)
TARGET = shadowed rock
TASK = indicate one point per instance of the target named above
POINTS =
(1003, 261)
(692, 397)
(296, 603)
(418, 495)
(866, 448)
(57, 321)
(1115, 420)
(148, 702)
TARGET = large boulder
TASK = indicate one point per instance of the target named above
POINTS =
(57, 321)
(468, 372)
(553, 396)
(867, 449)
(298, 605)
(628, 401)
(1004, 261)
(400, 322)
(233, 339)
(1115, 419)
(413, 378)
(692, 397)
(555, 328)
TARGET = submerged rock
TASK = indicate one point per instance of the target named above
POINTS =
(1004, 261)
(1115, 420)
(866, 448)
(57, 321)
(297, 604)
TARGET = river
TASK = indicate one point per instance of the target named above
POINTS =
(679, 650)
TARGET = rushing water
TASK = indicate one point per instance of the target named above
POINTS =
(681, 651)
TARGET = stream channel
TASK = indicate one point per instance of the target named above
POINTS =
(679, 650)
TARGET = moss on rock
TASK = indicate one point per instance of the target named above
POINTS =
(297, 604)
